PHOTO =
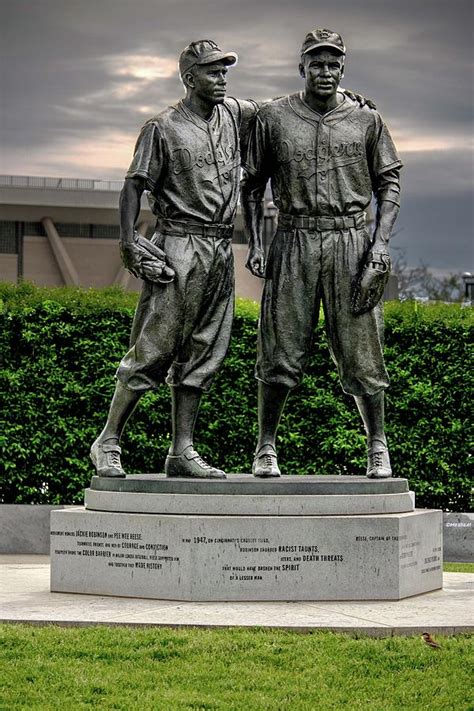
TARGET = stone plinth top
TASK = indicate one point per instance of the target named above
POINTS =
(246, 484)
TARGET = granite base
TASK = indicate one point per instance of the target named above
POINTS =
(231, 557)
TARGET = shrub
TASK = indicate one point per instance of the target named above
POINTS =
(60, 348)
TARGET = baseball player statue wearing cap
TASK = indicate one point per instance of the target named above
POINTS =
(188, 158)
(326, 156)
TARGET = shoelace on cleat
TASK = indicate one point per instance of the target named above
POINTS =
(114, 459)
(202, 463)
(376, 459)
(267, 459)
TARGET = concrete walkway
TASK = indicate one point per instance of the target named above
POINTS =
(25, 597)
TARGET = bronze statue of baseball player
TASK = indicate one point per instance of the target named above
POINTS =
(326, 156)
(188, 158)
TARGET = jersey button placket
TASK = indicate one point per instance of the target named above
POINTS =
(313, 233)
(216, 164)
(323, 155)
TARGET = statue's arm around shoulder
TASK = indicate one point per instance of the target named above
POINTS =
(358, 98)
(244, 111)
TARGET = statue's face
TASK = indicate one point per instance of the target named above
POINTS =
(210, 81)
(322, 71)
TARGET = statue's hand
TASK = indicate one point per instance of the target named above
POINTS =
(256, 262)
(145, 260)
(130, 257)
(372, 280)
(361, 100)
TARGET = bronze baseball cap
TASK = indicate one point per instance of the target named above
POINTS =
(320, 38)
(204, 52)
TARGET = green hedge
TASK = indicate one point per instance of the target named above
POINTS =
(60, 348)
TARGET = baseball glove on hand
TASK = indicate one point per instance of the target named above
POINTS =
(146, 261)
(371, 282)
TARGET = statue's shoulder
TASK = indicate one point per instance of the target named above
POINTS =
(363, 113)
(163, 117)
(275, 107)
(242, 109)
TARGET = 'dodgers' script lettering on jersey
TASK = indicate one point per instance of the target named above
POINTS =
(288, 151)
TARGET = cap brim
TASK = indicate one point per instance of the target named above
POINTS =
(320, 45)
(229, 58)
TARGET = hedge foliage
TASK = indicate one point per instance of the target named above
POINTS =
(60, 348)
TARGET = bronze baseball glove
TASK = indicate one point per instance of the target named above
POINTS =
(371, 281)
(146, 261)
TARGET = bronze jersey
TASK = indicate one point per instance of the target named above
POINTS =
(325, 165)
(192, 166)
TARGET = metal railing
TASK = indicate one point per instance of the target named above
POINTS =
(30, 181)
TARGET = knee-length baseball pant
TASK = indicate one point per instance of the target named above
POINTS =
(306, 268)
(181, 330)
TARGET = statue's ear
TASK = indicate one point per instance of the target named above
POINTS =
(302, 71)
(188, 79)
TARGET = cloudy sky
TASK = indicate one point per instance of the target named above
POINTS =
(79, 77)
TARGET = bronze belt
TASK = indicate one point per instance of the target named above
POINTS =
(183, 228)
(320, 224)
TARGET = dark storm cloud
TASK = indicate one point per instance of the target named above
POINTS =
(436, 232)
(65, 95)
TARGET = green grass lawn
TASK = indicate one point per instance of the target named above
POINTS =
(458, 567)
(161, 668)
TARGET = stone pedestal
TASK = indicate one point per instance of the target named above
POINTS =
(296, 538)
